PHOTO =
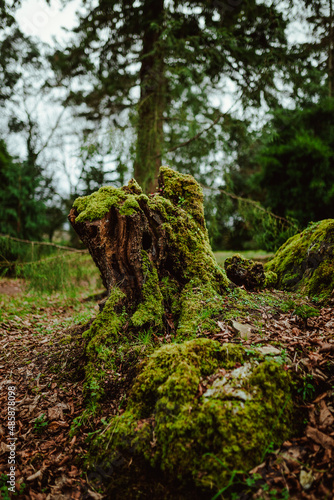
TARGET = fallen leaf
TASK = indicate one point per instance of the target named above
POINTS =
(306, 479)
(4, 448)
(94, 495)
(326, 418)
(320, 397)
(35, 476)
(326, 347)
(319, 437)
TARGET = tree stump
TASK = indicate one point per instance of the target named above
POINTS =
(187, 396)
(145, 244)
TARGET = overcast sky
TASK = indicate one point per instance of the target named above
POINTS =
(37, 18)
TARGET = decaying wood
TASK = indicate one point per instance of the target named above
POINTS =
(115, 242)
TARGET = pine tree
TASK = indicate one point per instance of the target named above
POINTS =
(158, 64)
(297, 163)
(311, 64)
(22, 211)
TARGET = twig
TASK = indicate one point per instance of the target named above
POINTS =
(70, 249)
(251, 202)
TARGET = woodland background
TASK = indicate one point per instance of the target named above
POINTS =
(238, 93)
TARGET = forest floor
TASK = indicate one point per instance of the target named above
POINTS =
(42, 355)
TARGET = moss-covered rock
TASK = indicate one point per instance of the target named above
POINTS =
(245, 272)
(200, 411)
(306, 261)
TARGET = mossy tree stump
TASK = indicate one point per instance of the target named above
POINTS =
(144, 245)
(156, 262)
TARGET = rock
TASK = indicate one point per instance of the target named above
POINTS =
(243, 329)
(244, 272)
(268, 350)
(306, 261)
(198, 436)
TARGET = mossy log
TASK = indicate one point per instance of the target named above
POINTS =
(136, 239)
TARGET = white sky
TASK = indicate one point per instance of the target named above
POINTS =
(37, 18)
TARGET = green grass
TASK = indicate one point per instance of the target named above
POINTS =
(53, 297)
(259, 255)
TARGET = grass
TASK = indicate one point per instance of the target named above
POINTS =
(44, 310)
(257, 255)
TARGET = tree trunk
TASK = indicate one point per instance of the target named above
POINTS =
(152, 100)
(330, 51)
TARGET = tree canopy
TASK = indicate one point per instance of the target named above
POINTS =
(22, 209)
(297, 163)
(167, 66)
(187, 84)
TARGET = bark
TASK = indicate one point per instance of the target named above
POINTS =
(116, 242)
(152, 100)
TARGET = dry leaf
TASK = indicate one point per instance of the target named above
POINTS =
(306, 479)
(326, 418)
(35, 476)
(94, 495)
(319, 437)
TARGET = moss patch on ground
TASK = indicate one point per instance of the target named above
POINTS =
(200, 411)
(306, 261)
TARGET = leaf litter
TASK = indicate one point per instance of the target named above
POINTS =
(47, 370)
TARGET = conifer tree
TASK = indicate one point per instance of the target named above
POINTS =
(22, 210)
(160, 63)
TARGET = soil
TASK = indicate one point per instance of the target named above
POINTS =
(11, 287)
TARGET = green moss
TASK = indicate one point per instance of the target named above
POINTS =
(183, 191)
(102, 337)
(200, 410)
(133, 188)
(189, 247)
(305, 262)
(129, 207)
(199, 305)
(96, 205)
(105, 327)
(170, 290)
(270, 279)
(150, 310)
(245, 272)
